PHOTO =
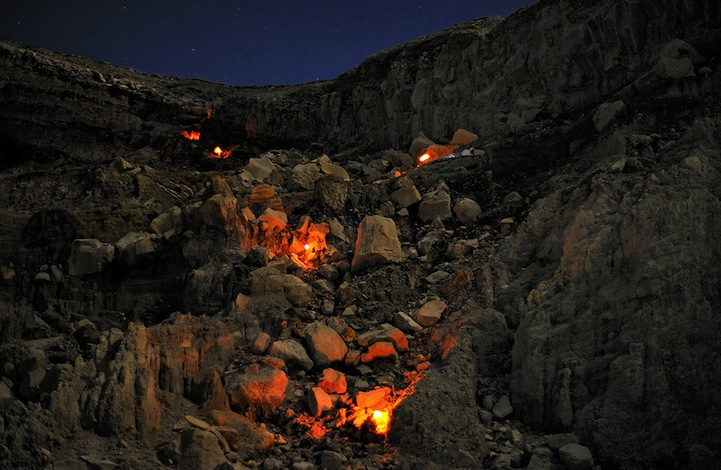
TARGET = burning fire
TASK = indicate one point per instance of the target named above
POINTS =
(192, 135)
(220, 153)
(372, 409)
(436, 152)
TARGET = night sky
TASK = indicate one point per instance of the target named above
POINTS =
(235, 42)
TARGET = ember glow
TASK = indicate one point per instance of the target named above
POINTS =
(192, 135)
(372, 410)
(436, 152)
(220, 153)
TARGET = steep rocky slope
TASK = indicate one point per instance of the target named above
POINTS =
(162, 307)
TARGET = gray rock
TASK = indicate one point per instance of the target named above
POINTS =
(168, 223)
(605, 113)
(268, 280)
(406, 323)
(304, 176)
(502, 408)
(576, 457)
(133, 246)
(539, 463)
(292, 352)
(330, 460)
(556, 441)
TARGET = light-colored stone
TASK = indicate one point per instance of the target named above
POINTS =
(377, 243)
(268, 280)
(436, 204)
(305, 175)
(406, 323)
(261, 168)
(292, 352)
(430, 313)
(502, 409)
(406, 196)
(467, 211)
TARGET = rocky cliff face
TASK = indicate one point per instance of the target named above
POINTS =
(163, 307)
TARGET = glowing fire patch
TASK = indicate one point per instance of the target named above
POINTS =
(192, 135)
(381, 420)
(372, 410)
(436, 152)
(220, 153)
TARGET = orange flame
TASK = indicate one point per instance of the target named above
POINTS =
(220, 153)
(373, 408)
(192, 135)
(436, 152)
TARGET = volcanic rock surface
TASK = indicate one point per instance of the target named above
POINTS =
(306, 295)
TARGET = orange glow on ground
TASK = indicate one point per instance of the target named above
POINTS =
(220, 153)
(372, 409)
(192, 135)
(436, 152)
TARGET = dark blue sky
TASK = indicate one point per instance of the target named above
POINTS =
(235, 42)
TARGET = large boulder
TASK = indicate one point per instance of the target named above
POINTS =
(89, 256)
(268, 280)
(377, 243)
(133, 246)
(257, 388)
(325, 345)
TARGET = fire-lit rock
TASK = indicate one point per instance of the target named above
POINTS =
(379, 350)
(386, 333)
(257, 389)
(463, 137)
(333, 381)
(324, 344)
(377, 243)
(319, 401)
